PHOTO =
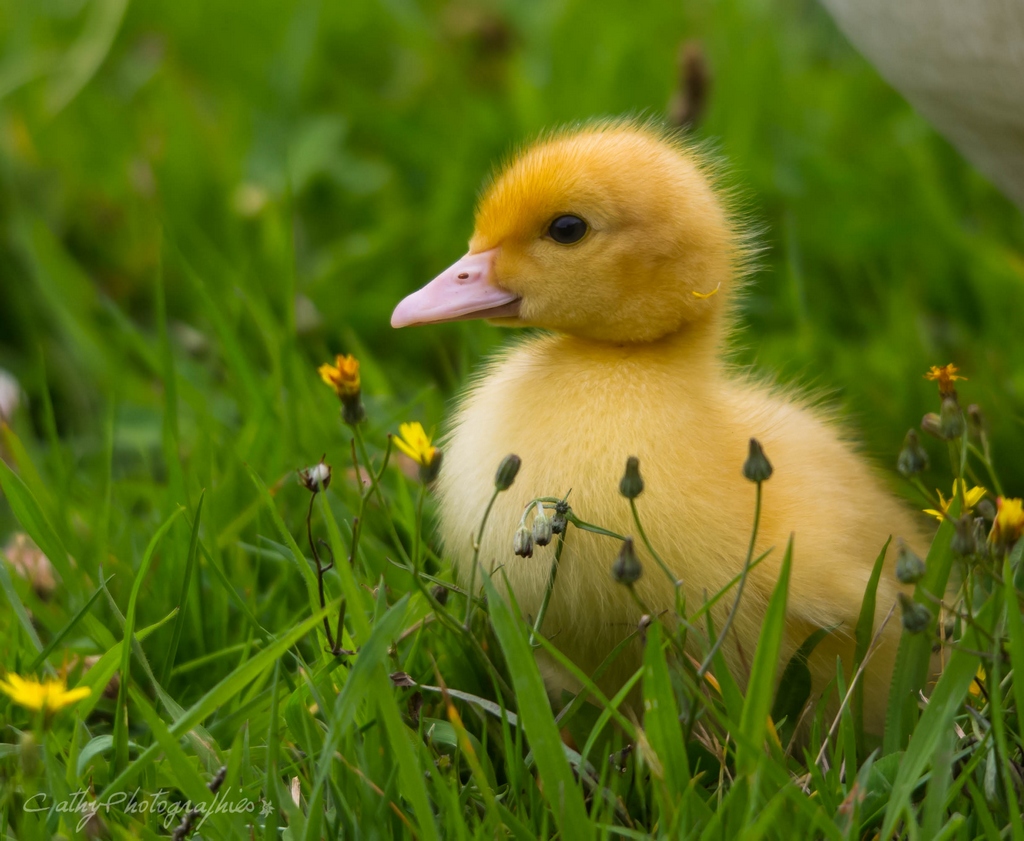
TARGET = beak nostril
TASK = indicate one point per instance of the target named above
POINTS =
(463, 276)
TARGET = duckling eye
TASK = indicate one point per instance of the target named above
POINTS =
(567, 229)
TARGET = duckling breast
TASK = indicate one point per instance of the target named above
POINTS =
(574, 411)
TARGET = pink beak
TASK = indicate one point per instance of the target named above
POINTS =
(464, 290)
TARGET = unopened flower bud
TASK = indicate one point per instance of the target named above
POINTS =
(931, 424)
(522, 543)
(757, 468)
(909, 567)
(963, 542)
(986, 509)
(981, 545)
(352, 410)
(507, 471)
(627, 569)
(913, 458)
(631, 485)
(428, 471)
(642, 626)
(316, 477)
(559, 520)
(951, 418)
(543, 530)
(976, 420)
(916, 617)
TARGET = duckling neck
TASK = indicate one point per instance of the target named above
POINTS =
(694, 347)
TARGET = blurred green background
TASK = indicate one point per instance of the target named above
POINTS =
(290, 170)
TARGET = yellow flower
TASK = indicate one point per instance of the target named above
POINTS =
(945, 375)
(342, 376)
(33, 695)
(978, 682)
(971, 498)
(415, 443)
(1009, 523)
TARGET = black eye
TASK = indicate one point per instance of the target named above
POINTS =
(567, 229)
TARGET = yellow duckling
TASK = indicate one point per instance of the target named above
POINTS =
(612, 239)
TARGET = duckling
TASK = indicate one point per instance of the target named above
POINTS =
(614, 241)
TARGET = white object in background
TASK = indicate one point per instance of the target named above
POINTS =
(960, 63)
(10, 395)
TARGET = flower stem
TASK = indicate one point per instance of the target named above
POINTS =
(650, 548)
(570, 517)
(416, 530)
(703, 670)
(471, 592)
(319, 570)
(550, 588)
(375, 489)
(984, 458)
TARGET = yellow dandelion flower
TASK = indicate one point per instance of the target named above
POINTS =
(971, 498)
(50, 696)
(1009, 522)
(415, 443)
(342, 376)
(978, 682)
(945, 376)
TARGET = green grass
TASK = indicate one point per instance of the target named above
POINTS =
(199, 203)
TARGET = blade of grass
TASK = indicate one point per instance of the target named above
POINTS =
(59, 637)
(863, 634)
(943, 704)
(661, 724)
(560, 788)
(761, 688)
(27, 512)
(186, 583)
(121, 710)
(16, 605)
(227, 688)
(915, 650)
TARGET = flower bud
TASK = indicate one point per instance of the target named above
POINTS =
(558, 521)
(757, 468)
(976, 420)
(982, 547)
(316, 477)
(428, 471)
(507, 471)
(627, 569)
(986, 509)
(352, 410)
(631, 485)
(931, 424)
(909, 567)
(522, 543)
(543, 529)
(916, 617)
(963, 542)
(913, 458)
(951, 418)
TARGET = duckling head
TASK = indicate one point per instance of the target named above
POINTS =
(613, 232)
